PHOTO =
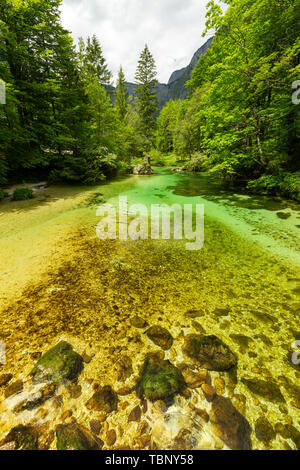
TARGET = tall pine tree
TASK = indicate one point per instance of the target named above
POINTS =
(146, 98)
(121, 96)
(92, 61)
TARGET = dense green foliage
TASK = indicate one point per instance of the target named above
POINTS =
(59, 122)
(240, 113)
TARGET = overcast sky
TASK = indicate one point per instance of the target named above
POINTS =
(171, 28)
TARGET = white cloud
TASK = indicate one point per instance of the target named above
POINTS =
(171, 28)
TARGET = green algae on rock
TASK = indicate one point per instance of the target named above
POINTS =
(160, 336)
(210, 352)
(159, 380)
(229, 425)
(104, 399)
(75, 437)
(58, 365)
(24, 437)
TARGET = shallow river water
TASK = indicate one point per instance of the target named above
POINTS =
(58, 282)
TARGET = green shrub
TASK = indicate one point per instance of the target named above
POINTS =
(22, 194)
(290, 186)
(287, 184)
(99, 163)
(196, 163)
(266, 184)
(2, 194)
(156, 157)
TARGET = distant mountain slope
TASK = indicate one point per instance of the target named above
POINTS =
(175, 88)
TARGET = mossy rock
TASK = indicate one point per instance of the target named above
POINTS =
(58, 365)
(75, 437)
(159, 380)
(25, 437)
(210, 352)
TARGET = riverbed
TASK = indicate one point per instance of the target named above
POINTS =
(60, 282)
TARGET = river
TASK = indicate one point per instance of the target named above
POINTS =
(60, 282)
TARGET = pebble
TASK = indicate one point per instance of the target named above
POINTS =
(86, 358)
(5, 378)
(161, 406)
(209, 392)
(135, 414)
(195, 379)
(219, 385)
(67, 414)
(95, 426)
(13, 389)
(111, 437)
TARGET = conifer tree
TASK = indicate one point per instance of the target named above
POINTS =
(145, 92)
(93, 63)
(121, 96)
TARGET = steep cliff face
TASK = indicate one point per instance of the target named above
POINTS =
(178, 79)
(175, 88)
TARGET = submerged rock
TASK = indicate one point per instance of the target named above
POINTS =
(4, 379)
(267, 390)
(160, 336)
(229, 425)
(23, 437)
(194, 379)
(138, 322)
(242, 340)
(135, 415)
(159, 380)
(13, 389)
(143, 169)
(29, 399)
(210, 352)
(264, 430)
(124, 367)
(57, 365)
(104, 399)
(75, 437)
(283, 215)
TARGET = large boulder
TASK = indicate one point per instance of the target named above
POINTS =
(210, 352)
(75, 437)
(58, 365)
(144, 169)
(159, 380)
(229, 425)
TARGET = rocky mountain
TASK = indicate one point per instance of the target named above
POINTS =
(175, 88)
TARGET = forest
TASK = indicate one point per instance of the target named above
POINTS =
(61, 123)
